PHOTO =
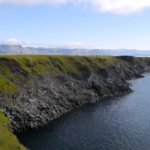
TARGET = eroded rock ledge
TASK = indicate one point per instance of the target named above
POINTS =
(48, 95)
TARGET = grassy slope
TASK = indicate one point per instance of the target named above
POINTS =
(8, 141)
(16, 69)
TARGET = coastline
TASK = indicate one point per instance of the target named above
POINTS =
(48, 95)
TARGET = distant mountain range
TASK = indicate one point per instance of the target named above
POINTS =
(18, 49)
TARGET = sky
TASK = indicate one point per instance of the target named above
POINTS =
(112, 24)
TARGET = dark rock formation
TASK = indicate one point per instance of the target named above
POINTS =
(50, 96)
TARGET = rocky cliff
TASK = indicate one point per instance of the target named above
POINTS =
(37, 89)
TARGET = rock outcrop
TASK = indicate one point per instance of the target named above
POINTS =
(49, 96)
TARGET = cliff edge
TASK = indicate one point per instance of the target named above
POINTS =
(34, 90)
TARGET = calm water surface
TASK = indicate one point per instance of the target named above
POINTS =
(116, 124)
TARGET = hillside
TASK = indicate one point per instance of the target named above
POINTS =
(34, 89)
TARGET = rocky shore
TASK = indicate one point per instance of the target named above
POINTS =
(49, 95)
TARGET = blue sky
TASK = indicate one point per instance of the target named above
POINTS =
(77, 25)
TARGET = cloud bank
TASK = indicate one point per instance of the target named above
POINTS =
(14, 41)
(114, 6)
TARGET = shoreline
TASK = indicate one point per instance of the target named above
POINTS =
(49, 96)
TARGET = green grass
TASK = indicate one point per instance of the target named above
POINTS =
(8, 140)
(18, 69)
(37, 64)
(7, 86)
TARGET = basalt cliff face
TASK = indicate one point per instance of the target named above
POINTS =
(42, 88)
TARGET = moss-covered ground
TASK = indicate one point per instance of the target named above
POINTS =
(15, 69)
(8, 140)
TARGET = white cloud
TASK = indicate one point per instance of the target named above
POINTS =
(115, 6)
(14, 42)
(77, 45)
